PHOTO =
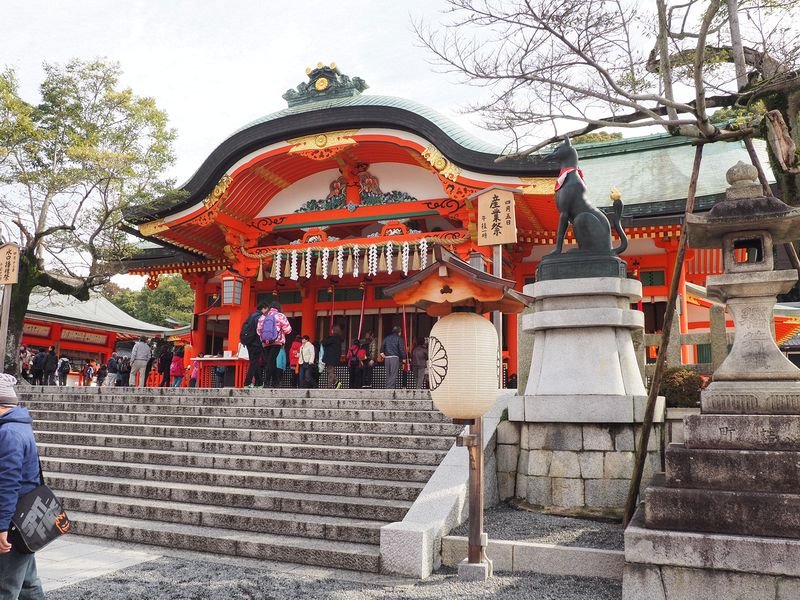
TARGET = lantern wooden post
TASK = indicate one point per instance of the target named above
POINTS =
(476, 543)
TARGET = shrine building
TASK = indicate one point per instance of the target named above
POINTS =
(325, 203)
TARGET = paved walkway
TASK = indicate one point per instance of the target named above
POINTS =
(72, 559)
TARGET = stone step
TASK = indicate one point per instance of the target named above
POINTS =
(728, 512)
(399, 394)
(232, 462)
(226, 517)
(253, 401)
(289, 482)
(379, 509)
(746, 470)
(329, 414)
(250, 435)
(264, 546)
(743, 432)
(335, 426)
(263, 449)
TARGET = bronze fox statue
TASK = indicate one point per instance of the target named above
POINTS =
(590, 226)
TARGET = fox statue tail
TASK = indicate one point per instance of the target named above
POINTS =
(616, 222)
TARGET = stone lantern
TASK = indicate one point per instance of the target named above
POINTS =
(724, 519)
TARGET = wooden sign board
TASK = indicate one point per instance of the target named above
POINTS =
(497, 221)
(9, 264)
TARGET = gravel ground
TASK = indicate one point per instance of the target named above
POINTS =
(180, 579)
(505, 522)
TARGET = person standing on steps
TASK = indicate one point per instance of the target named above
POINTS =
(50, 366)
(356, 358)
(272, 329)
(164, 364)
(306, 360)
(393, 351)
(19, 474)
(176, 369)
(294, 360)
(113, 369)
(249, 338)
(419, 362)
(140, 355)
(372, 357)
(63, 370)
(332, 355)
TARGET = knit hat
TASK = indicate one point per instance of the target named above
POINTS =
(8, 397)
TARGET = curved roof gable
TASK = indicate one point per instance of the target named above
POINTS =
(331, 101)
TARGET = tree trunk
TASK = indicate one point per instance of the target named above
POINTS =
(20, 296)
(789, 107)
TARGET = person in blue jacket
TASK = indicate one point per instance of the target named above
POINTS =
(19, 474)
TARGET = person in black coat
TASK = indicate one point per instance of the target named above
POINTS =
(164, 363)
(50, 366)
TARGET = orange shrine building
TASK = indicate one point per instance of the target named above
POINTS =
(325, 203)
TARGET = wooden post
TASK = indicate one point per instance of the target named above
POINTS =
(4, 325)
(475, 549)
(497, 317)
(655, 383)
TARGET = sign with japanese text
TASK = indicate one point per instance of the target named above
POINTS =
(74, 335)
(9, 264)
(42, 331)
(497, 221)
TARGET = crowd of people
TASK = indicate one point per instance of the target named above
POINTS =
(269, 346)
(270, 350)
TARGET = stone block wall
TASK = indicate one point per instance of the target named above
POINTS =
(581, 467)
(507, 452)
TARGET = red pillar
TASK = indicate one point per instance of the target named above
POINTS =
(309, 316)
(238, 316)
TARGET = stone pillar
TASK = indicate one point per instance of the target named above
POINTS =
(583, 398)
(674, 353)
(719, 335)
(525, 341)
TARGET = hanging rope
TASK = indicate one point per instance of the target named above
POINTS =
(332, 291)
(363, 306)
(405, 338)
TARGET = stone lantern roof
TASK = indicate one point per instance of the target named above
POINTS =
(745, 208)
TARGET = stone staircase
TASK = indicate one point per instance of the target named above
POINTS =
(303, 476)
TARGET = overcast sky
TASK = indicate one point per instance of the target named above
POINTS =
(216, 65)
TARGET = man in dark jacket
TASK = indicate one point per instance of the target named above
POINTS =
(19, 474)
(113, 369)
(50, 366)
(332, 355)
(393, 351)
(164, 363)
(252, 342)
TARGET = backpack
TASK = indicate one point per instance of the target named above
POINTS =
(355, 360)
(248, 334)
(269, 332)
(65, 367)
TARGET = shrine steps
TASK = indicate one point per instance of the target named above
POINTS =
(303, 476)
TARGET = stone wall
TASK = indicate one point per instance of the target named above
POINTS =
(508, 449)
(580, 467)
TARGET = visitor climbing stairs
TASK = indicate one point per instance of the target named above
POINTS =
(302, 476)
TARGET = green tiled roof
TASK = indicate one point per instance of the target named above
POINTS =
(657, 168)
(454, 131)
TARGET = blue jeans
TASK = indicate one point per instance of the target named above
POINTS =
(176, 382)
(18, 578)
(306, 375)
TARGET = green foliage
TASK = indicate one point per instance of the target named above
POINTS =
(736, 117)
(595, 137)
(681, 388)
(173, 298)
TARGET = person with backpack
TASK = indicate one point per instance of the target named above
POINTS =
(37, 367)
(272, 329)
(176, 369)
(113, 369)
(88, 373)
(356, 359)
(19, 475)
(102, 373)
(50, 366)
(63, 370)
(249, 338)
(124, 372)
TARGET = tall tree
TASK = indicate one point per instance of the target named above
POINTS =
(69, 166)
(549, 64)
(172, 299)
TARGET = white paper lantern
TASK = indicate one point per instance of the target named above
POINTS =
(462, 365)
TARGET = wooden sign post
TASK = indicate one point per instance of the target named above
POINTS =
(497, 225)
(9, 273)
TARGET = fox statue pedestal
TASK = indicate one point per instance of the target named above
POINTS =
(585, 399)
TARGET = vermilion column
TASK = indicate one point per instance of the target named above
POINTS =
(238, 315)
